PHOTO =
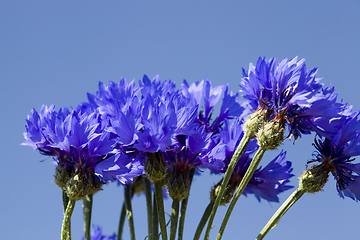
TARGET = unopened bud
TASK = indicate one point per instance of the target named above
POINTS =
(155, 166)
(271, 134)
(313, 179)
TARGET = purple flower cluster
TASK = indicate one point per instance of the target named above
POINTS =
(111, 136)
(288, 91)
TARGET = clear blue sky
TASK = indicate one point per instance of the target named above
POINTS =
(57, 51)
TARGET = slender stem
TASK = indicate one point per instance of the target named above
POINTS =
(65, 198)
(147, 186)
(249, 173)
(155, 221)
(174, 219)
(87, 209)
(129, 212)
(121, 222)
(160, 209)
(234, 160)
(292, 199)
(203, 221)
(122, 219)
(183, 207)
(65, 234)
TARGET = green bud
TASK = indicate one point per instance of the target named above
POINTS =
(313, 179)
(179, 185)
(78, 186)
(271, 134)
(63, 175)
(155, 167)
(255, 121)
(228, 194)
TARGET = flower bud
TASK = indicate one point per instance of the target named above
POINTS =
(179, 185)
(155, 167)
(63, 174)
(79, 186)
(271, 134)
(228, 194)
(313, 179)
(254, 122)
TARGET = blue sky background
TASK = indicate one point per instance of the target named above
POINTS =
(57, 51)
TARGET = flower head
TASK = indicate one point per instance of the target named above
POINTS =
(230, 108)
(80, 145)
(335, 156)
(287, 90)
(267, 182)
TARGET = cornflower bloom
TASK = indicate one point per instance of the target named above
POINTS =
(267, 182)
(335, 155)
(284, 91)
(83, 150)
(231, 107)
(191, 152)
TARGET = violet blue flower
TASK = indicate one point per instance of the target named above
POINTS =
(335, 155)
(286, 89)
(79, 144)
(230, 108)
(266, 183)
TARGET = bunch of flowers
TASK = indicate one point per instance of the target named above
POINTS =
(157, 136)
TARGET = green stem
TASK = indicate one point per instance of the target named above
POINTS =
(160, 209)
(87, 209)
(121, 222)
(174, 219)
(234, 160)
(203, 221)
(147, 186)
(249, 173)
(155, 221)
(122, 219)
(183, 207)
(129, 212)
(292, 199)
(65, 234)
(66, 199)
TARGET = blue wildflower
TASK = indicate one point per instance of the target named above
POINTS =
(266, 183)
(335, 156)
(156, 87)
(83, 150)
(96, 234)
(115, 98)
(230, 108)
(285, 90)
(191, 152)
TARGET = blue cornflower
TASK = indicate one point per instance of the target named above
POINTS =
(335, 156)
(266, 183)
(270, 181)
(231, 107)
(156, 87)
(158, 120)
(96, 234)
(191, 152)
(115, 98)
(83, 150)
(285, 90)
